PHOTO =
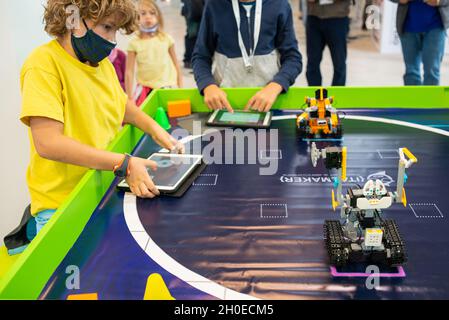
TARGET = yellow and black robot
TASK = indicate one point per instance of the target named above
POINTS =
(320, 120)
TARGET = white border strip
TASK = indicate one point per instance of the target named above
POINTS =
(168, 263)
(195, 280)
(384, 120)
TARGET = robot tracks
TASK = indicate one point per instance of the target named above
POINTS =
(340, 252)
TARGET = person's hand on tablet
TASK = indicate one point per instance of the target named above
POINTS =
(216, 99)
(139, 180)
(165, 140)
(178, 147)
(263, 100)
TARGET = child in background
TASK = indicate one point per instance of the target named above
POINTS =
(154, 52)
(118, 59)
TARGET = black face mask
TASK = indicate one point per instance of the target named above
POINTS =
(91, 47)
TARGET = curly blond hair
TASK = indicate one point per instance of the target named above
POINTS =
(57, 13)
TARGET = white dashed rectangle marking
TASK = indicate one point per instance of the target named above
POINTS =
(273, 210)
(206, 180)
(388, 153)
(426, 210)
(272, 154)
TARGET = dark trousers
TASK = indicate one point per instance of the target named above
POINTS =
(190, 39)
(332, 32)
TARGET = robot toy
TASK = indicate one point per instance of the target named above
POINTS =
(319, 120)
(363, 235)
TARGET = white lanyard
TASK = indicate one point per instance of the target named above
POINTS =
(248, 60)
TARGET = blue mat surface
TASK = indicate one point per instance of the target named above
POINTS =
(262, 235)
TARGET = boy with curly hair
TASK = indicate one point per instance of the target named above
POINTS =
(74, 105)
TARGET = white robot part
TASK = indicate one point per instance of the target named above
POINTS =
(313, 108)
(368, 189)
(374, 203)
(316, 154)
(380, 188)
(373, 237)
(407, 162)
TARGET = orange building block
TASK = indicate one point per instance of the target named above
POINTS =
(181, 108)
(84, 296)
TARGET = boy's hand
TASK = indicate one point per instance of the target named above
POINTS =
(139, 180)
(216, 99)
(136, 117)
(165, 140)
(264, 99)
(178, 147)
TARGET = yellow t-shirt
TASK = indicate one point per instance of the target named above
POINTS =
(155, 68)
(88, 100)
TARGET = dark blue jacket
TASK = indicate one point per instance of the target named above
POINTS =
(218, 33)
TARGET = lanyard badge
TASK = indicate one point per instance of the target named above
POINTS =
(248, 60)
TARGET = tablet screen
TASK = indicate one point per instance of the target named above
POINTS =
(247, 119)
(243, 117)
(172, 170)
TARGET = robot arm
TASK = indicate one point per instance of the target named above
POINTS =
(334, 158)
(406, 160)
(303, 116)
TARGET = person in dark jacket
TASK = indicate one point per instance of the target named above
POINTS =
(327, 25)
(421, 25)
(246, 44)
(192, 11)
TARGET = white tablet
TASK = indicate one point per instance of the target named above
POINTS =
(172, 170)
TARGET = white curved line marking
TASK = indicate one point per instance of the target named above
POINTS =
(167, 262)
(194, 279)
(384, 120)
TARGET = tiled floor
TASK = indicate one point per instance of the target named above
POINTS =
(366, 66)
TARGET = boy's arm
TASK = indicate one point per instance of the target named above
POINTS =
(172, 53)
(202, 54)
(264, 99)
(136, 117)
(205, 47)
(51, 143)
(291, 66)
(129, 74)
(287, 45)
